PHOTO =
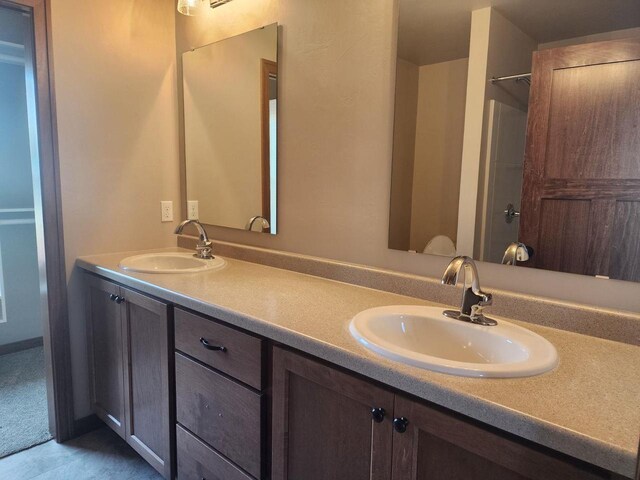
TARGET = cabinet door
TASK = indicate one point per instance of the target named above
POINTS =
(104, 328)
(147, 382)
(323, 427)
(438, 446)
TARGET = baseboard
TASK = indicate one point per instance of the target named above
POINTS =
(86, 424)
(21, 345)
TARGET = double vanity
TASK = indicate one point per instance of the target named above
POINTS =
(242, 371)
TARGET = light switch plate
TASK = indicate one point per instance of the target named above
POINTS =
(167, 211)
(192, 210)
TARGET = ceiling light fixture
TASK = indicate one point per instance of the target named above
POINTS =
(196, 7)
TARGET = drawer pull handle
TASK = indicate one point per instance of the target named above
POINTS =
(119, 300)
(113, 297)
(208, 346)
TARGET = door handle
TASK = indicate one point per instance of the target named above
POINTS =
(510, 213)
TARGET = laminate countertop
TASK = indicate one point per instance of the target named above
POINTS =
(588, 407)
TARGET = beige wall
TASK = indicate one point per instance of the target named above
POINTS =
(598, 37)
(223, 139)
(438, 149)
(336, 106)
(114, 65)
(404, 151)
(116, 95)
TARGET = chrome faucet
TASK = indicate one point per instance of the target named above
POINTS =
(204, 247)
(515, 252)
(473, 299)
(263, 221)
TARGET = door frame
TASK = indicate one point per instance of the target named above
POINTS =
(57, 348)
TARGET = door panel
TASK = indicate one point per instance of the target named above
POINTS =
(105, 353)
(582, 160)
(600, 101)
(564, 234)
(626, 241)
(322, 423)
(147, 392)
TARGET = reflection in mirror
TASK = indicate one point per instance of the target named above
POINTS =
(230, 117)
(516, 133)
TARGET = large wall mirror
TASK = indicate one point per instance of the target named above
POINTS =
(230, 118)
(517, 133)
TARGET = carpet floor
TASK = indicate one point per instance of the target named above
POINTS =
(24, 419)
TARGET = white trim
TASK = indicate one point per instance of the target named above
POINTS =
(16, 210)
(11, 53)
(3, 298)
(25, 221)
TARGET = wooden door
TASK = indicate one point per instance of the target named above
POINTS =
(439, 446)
(581, 192)
(147, 383)
(104, 328)
(323, 428)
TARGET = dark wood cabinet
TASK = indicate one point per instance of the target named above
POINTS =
(323, 427)
(104, 327)
(440, 446)
(220, 406)
(325, 423)
(131, 369)
(148, 376)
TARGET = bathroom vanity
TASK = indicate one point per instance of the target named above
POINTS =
(250, 372)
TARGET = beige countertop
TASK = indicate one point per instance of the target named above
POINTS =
(588, 407)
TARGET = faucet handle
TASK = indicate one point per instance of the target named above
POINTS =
(486, 299)
(478, 317)
(204, 249)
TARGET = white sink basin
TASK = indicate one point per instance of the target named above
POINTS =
(423, 337)
(170, 263)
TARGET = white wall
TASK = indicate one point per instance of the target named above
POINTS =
(438, 151)
(498, 48)
(115, 83)
(336, 130)
(404, 152)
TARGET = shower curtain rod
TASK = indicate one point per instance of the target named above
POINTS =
(525, 77)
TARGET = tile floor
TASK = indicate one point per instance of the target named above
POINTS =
(100, 454)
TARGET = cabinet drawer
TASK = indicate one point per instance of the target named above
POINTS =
(223, 413)
(196, 460)
(242, 357)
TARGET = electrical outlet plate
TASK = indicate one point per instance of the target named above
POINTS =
(167, 211)
(192, 210)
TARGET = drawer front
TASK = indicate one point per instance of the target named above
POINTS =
(223, 413)
(196, 460)
(242, 355)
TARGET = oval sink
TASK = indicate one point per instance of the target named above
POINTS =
(422, 336)
(170, 263)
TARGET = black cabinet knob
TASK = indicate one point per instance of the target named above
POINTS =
(378, 414)
(208, 346)
(400, 424)
(113, 297)
(119, 299)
